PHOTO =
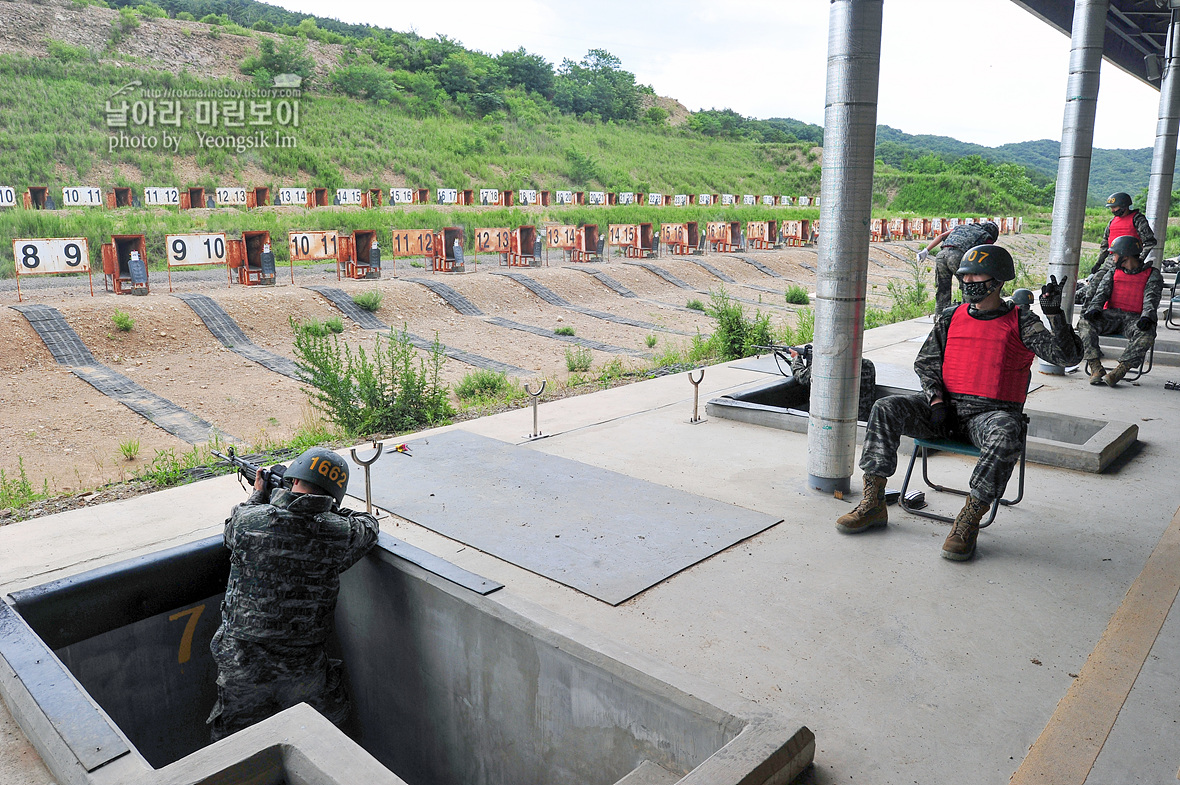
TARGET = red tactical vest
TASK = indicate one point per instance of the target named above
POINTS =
(1122, 226)
(985, 357)
(1126, 293)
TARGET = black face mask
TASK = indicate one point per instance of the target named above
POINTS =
(1118, 212)
(976, 292)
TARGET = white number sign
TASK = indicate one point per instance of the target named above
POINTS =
(727, 199)
(596, 197)
(78, 196)
(311, 246)
(7, 196)
(348, 196)
(626, 197)
(768, 200)
(749, 199)
(168, 197)
(655, 200)
(528, 197)
(784, 200)
(565, 197)
(193, 249)
(231, 197)
(804, 201)
(705, 199)
(401, 195)
(293, 196)
(680, 200)
(57, 255)
(448, 195)
(489, 196)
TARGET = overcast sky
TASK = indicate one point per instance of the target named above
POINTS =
(766, 58)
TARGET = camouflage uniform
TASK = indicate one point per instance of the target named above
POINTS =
(962, 239)
(801, 374)
(286, 558)
(996, 427)
(1114, 321)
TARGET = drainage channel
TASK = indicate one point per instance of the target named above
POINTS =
(368, 321)
(67, 348)
(452, 297)
(549, 296)
(226, 330)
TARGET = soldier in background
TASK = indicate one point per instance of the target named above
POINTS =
(1124, 303)
(974, 369)
(954, 242)
(288, 548)
(1127, 222)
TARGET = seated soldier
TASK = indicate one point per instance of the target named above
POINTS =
(974, 371)
(1124, 303)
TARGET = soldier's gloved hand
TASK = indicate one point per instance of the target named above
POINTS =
(1051, 295)
(1092, 315)
(923, 254)
(938, 414)
(1146, 324)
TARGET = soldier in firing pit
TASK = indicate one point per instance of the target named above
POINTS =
(974, 371)
(288, 548)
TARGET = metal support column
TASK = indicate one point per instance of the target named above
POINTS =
(1163, 158)
(850, 126)
(1077, 146)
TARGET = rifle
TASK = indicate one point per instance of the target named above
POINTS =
(783, 354)
(273, 476)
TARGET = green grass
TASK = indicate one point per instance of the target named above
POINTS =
(798, 295)
(129, 449)
(333, 324)
(123, 321)
(695, 305)
(578, 359)
(563, 330)
(18, 491)
(650, 341)
(370, 300)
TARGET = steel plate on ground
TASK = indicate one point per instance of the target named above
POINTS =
(603, 533)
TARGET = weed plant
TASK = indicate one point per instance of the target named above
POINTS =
(129, 449)
(563, 330)
(736, 335)
(331, 325)
(695, 305)
(390, 391)
(123, 321)
(798, 295)
(18, 491)
(650, 341)
(578, 359)
(370, 300)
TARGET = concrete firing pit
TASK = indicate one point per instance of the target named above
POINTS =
(109, 674)
(1064, 440)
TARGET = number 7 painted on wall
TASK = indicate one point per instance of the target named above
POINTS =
(186, 639)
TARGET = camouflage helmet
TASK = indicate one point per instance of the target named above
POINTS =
(988, 260)
(322, 468)
(992, 229)
(1118, 199)
(1126, 245)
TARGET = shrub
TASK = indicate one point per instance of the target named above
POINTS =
(483, 384)
(125, 23)
(736, 335)
(370, 300)
(578, 359)
(18, 491)
(122, 320)
(695, 305)
(320, 329)
(385, 393)
(60, 50)
(564, 330)
(798, 295)
(290, 57)
(650, 341)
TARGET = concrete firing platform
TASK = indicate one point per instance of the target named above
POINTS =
(1051, 656)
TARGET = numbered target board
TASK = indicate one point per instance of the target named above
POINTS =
(563, 237)
(7, 196)
(51, 256)
(727, 199)
(231, 197)
(596, 197)
(704, 199)
(528, 197)
(401, 195)
(655, 200)
(626, 197)
(768, 201)
(717, 232)
(78, 196)
(565, 197)
(759, 230)
(674, 234)
(448, 195)
(184, 250)
(492, 240)
(350, 196)
(161, 197)
(311, 246)
(412, 242)
(680, 200)
(293, 196)
(623, 235)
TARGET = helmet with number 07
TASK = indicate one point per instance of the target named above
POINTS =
(322, 468)
(990, 260)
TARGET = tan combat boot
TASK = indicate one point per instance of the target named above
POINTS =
(1116, 376)
(1096, 371)
(960, 543)
(871, 511)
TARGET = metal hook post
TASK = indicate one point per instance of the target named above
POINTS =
(696, 395)
(368, 483)
(536, 434)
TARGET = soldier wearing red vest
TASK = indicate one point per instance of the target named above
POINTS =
(974, 371)
(1126, 222)
(1124, 303)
